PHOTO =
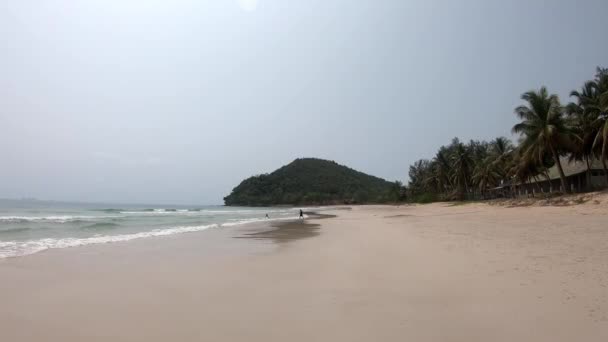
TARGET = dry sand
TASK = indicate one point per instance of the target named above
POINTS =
(412, 273)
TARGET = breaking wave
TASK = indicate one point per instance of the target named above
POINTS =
(19, 248)
(51, 219)
(101, 226)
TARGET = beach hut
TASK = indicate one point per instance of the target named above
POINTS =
(579, 178)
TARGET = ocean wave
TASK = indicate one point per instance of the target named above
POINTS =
(191, 212)
(252, 211)
(104, 227)
(195, 211)
(100, 225)
(19, 248)
(14, 230)
(54, 219)
(110, 210)
(151, 212)
(238, 222)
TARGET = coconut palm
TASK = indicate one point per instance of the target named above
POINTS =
(583, 119)
(501, 150)
(528, 164)
(522, 165)
(486, 174)
(501, 146)
(462, 166)
(599, 104)
(601, 79)
(442, 170)
(419, 174)
(543, 126)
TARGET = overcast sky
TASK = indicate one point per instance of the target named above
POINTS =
(177, 101)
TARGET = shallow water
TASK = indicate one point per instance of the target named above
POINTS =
(31, 228)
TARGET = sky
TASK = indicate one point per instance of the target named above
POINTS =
(149, 101)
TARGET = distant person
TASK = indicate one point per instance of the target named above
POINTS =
(301, 214)
(267, 216)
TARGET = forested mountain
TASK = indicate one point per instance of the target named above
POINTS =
(313, 181)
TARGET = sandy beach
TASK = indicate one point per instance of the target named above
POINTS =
(434, 272)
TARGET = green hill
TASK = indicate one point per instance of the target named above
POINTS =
(312, 181)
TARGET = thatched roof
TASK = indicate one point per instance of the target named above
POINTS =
(570, 169)
(573, 168)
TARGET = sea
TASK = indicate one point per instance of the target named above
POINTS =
(30, 226)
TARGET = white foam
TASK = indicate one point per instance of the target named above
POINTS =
(57, 219)
(160, 212)
(19, 248)
(232, 211)
(204, 212)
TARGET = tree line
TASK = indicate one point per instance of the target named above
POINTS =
(547, 131)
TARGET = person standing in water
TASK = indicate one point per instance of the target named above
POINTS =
(301, 214)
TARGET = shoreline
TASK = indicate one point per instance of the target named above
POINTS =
(41, 245)
(424, 273)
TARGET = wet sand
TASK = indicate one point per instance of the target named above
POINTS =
(411, 273)
(285, 231)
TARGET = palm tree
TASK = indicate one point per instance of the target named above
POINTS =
(418, 174)
(462, 165)
(491, 163)
(501, 149)
(543, 126)
(600, 106)
(442, 170)
(601, 79)
(583, 119)
(527, 163)
(486, 174)
(501, 146)
(523, 163)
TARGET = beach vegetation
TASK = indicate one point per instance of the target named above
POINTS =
(547, 133)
